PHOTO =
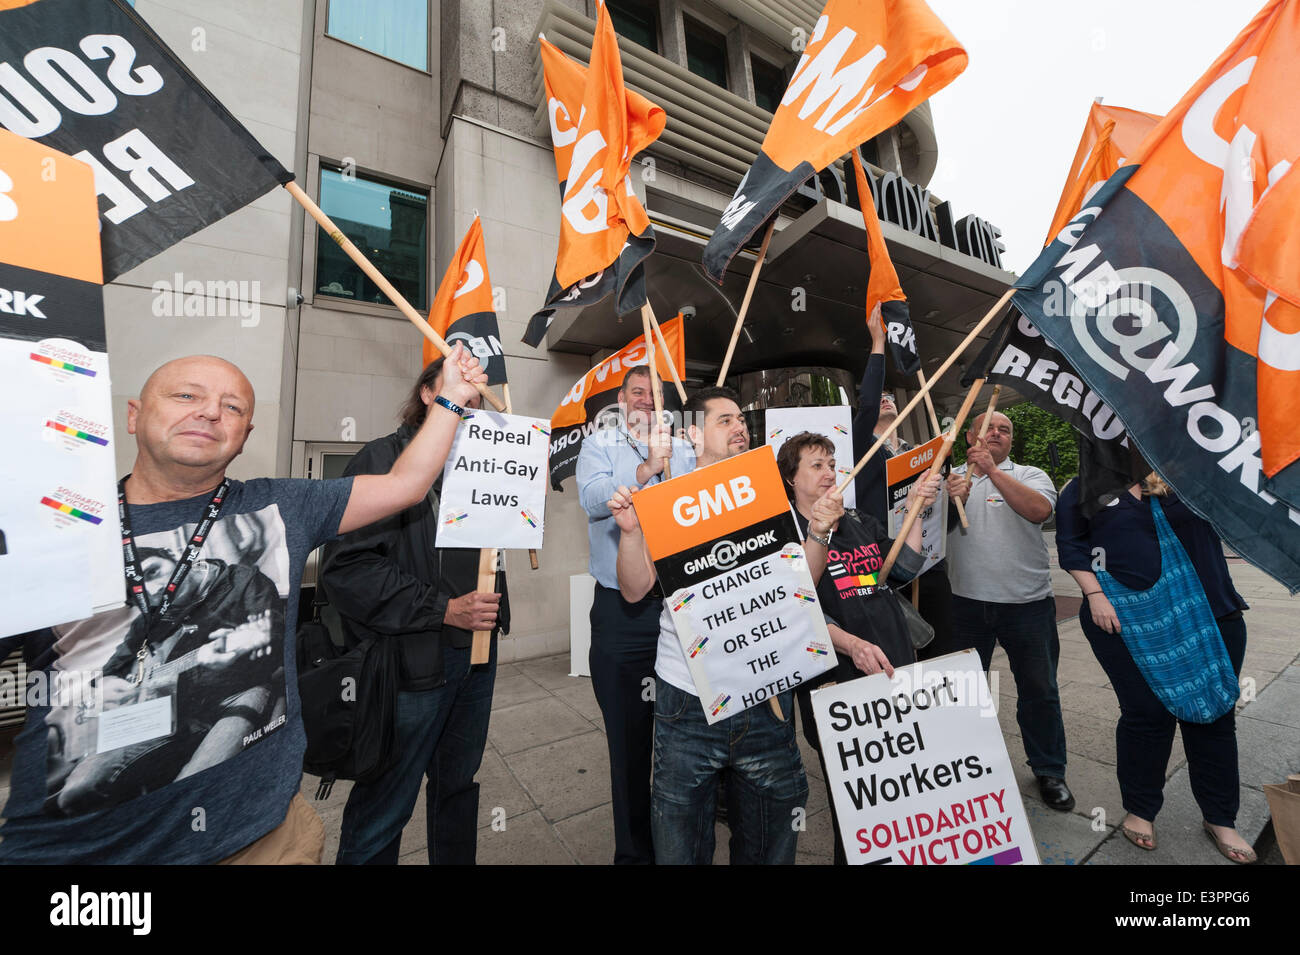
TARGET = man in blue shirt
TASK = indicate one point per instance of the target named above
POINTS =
(624, 636)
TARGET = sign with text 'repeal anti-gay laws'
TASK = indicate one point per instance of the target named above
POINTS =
(494, 483)
(901, 472)
(918, 768)
(727, 552)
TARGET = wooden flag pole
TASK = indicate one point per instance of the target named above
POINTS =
(744, 305)
(965, 343)
(914, 509)
(481, 648)
(385, 286)
(656, 386)
(984, 428)
(934, 421)
(672, 365)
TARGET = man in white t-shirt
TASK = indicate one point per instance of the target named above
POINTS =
(1002, 590)
(766, 786)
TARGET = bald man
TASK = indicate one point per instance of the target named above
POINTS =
(187, 744)
(1002, 590)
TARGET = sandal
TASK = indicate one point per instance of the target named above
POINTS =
(1143, 840)
(1247, 855)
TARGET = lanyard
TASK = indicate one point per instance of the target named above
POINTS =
(135, 576)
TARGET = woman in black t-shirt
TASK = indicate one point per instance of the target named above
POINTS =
(866, 625)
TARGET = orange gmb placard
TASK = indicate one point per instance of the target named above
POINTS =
(49, 216)
(710, 502)
(902, 466)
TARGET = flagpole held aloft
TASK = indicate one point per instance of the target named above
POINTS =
(914, 509)
(934, 421)
(984, 427)
(920, 396)
(672, 365)
(656, 387)
(744, 305)
(385, 286)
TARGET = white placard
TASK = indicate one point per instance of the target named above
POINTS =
(752, 633)
(918, 768)
(494, 483)
(833, 421)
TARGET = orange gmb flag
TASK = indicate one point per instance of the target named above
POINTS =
(463, 310)
(1173, 294)
(599, 209)
(594, 393)
(883, 288)
(565, 83)
(1111, 137)
(867, 63)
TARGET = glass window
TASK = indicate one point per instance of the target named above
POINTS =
(769, 84)
(389, 224)
(397, 29)
(638, 22)
(706, 53)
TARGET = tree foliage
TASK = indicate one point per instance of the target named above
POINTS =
(1034, 430)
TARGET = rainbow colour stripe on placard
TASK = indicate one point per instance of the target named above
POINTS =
(685, 600)
(456, 518)
(1005, 857)
(698, 645)
(840, 429)
(805, 596)
(70, 510)
(73, 432)
(816, 651)
(526, 516)
(775, 433)
(538, 427)
(718, 707)
(66, 366)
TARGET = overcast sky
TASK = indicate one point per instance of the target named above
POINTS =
(1009, 125)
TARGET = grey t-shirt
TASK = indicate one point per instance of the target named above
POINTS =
(209, 754)
(1001, 557)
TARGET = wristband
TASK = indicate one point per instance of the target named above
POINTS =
(451, 406)
(824, 541)
(1093, 594)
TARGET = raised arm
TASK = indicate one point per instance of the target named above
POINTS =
(873, 383)
(636, 572)
(376, 496)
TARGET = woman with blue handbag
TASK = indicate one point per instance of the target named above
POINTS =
(1165, 622)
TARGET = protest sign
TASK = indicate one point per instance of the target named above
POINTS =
(494, 483)
(60, 539)
(918, 768)
(833, 421)
(726, 548)
(901, 472)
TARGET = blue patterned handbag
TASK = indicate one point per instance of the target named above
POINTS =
(1171, 633)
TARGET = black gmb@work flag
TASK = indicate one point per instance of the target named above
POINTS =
(91, 79)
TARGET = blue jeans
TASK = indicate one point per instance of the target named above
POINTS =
(1028, 633)
(765, 781)
(441, 734)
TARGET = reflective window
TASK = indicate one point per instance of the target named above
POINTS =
(397, 29)
(389, 224)
(769, 84)
(635, 21)
(706, 53)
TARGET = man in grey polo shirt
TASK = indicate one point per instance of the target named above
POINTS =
(625, 636)
(1002, 590)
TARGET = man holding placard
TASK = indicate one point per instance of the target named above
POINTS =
(722, 545)
(399, 581)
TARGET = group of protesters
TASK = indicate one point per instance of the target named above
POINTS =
(189, 787)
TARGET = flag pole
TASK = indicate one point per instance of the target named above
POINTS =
(934, 421)
(965, 343)
(481, 647)
(914, 509)
(385, 286)
(744, 305)
(984, 428)
(672, 365)
(656, 386)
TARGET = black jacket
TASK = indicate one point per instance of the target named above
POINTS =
(391, 580)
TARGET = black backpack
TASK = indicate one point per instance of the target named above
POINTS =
(349, 705)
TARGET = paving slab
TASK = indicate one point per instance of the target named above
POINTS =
(1266, 752)
(550, 672)
(1278, 702)
(566, 777)
(582, 698)
(590, 835)
(516, 728)
(1063, 838)
(515, 689)
(524, 840)
(498, 789)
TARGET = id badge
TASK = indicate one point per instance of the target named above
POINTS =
(136, 723)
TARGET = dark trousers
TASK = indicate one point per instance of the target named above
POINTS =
(936, 608)
(441, 734)
(624, 639)
(1028, 633)
(1144, 735)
